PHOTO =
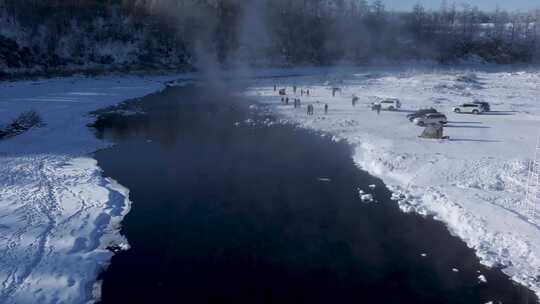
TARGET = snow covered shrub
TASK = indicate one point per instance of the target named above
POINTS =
(24, 122)
(28, 119)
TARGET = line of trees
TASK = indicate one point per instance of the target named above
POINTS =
(187, 33)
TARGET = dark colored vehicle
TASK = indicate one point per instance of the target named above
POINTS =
(484, 105)
(421, 113)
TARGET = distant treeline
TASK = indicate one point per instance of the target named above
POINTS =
(40, 35)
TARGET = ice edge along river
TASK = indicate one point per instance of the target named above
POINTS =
(58, 214)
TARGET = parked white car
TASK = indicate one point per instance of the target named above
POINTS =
(390, 104)
(431, 118)
(471, 108)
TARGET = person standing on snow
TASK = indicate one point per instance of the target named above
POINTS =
(326, 108)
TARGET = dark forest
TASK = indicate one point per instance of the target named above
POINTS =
(78, 35)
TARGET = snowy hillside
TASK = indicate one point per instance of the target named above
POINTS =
(474, 182)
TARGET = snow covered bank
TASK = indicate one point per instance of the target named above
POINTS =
(58, 214)
(475, 182)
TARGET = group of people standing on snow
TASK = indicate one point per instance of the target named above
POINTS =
(297, 103)
(310, 110)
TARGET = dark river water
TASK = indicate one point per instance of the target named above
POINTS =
(229, 208)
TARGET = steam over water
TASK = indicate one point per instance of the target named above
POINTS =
(229, 207)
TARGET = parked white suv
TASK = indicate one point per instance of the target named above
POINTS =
(429, 119)
(472, 108)
(390, 104)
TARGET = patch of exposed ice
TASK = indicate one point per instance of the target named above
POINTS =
(482, 278)
(367, 198)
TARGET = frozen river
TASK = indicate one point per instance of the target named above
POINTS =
(231, 206)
